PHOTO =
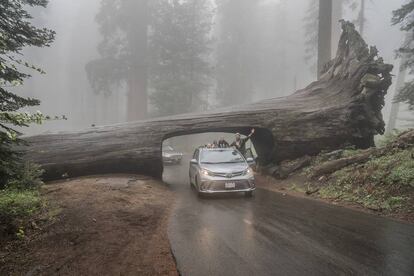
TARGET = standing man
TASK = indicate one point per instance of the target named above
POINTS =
(240, 143)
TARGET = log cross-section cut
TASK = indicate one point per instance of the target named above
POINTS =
(342, 107)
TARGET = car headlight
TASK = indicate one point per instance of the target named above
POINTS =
(248, 172)
(204, 172)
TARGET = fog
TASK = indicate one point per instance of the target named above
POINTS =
(231, 52)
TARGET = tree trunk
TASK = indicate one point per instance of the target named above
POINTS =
(137, 103)
(343, 107)
(324, 34)
(395, 107)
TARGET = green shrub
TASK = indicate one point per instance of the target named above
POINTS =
(394, 202)
(20, 199)
(383, 140)
(28, 176)
(15, 209)
(403, 173)
(393, 169)
(350, 152)
(382, 183)
(18, 204)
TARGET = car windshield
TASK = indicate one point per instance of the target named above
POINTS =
(221, 156)
(168, 148)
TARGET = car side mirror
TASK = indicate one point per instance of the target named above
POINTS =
(250, 160)
(193, 161)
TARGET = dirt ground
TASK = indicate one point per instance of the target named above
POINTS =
(100, 225)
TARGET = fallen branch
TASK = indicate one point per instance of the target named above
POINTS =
(286, 168)
(308, 192)
(403, 141)
(334, 165)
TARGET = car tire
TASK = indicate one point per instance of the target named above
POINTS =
(248, 194)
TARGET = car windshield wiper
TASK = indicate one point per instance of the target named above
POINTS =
(226, 162)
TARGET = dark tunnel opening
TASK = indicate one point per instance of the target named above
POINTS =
(262, 142)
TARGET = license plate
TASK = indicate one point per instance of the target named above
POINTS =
(230, 185)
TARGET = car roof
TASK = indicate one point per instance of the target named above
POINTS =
(217, 149)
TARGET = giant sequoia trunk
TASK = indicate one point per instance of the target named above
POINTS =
(344, 106)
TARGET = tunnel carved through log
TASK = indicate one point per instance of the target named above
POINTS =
(342, 107)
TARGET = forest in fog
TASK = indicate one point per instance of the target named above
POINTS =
(115, 61)
(206, 137)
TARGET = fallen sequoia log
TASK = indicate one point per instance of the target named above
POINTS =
(343, 107)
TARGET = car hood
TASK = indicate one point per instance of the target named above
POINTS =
(172, 153)
(225, 167)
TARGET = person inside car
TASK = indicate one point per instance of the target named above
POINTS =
(223, 143)
(240, 143)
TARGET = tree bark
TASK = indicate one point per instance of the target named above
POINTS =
(286, 168)
(342, 107)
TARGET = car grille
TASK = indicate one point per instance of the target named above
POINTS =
(220, 185)
(228, 175)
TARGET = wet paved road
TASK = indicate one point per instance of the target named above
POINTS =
(271, 234)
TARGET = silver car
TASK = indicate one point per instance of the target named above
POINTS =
(170, 156)
(221, 170)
